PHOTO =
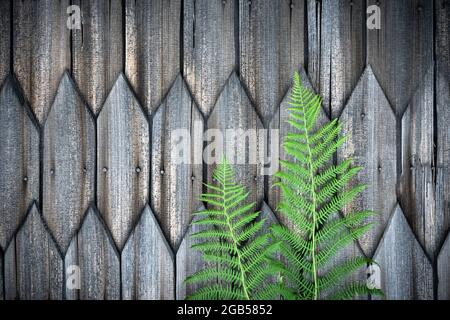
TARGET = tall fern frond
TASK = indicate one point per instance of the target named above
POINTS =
(313, 193)
(233, 240)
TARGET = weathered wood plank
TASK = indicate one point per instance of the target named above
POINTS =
(19, 160)
(442, 34)
(5, 40)
(417, 188)
(34, 268)
(208, 48)
(98, 49)
(1, 276)
(152, 48)
(401, 52)
(370, 127)
(41, 49)
(443, 263)
(336, 31)
(177, 150)
(68, 163)
(279, 130)
(406, 272)
(271, 48)
(123, 160)
(147, 262)
(233, 131)
(93, 251)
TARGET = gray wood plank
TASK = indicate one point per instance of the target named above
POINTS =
(98, 49)
(35, 263)
(417, 190)
(279, 128)
(39, 63)
(19, 160)
(443, 263)
(68, 163)
(336, 32)
(401, 52)
(5, 40)
(370, 126)
(123, 160)
(177, 150)
(152, 32)
(271, 48)
(147, 262)
(208, 48)
(442, 34)
(236, 124)
(406, 272)
(94, 253)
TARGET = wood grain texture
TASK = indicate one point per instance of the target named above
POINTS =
(152, 48)
(404, 40)
(1, 276)
(41, 49)
(68, 163)
(122, 160)
(442, 34)
(406, 272)
(34, 268)
(443, 263)
(19, 160)
(417, 188)
(208, 48)
(370, 127)
(98, 49)
(335, 49)
(271, 48)
(93, 251)
(5, 40)
(279, 130)
(236, 135)
(147, 262)
(177, 149)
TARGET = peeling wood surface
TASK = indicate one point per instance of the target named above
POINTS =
(177, 149)
(374, 149)
(41, 50)
(271, 48)
(152, 55)
(122, 161)
(19, 160)
(147, 262)
(406, 272)
(208, 47)
(97, 49)
(69, 163)
(94, 253)
(443, 263)
(5, 40)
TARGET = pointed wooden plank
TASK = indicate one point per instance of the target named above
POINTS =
(417, 189)
(177, 149)
(40, 63)
(5, 40)
(123, 160)
(147, 262)
(36, 269)
(406, 272)
(370, 127)
(401, 52)
(98, 49)
(208, 48)
(279, 128)
(152, 31)
(69, 163)
(442, 14)
(19, 160)
(235, 123)
(443, 263)
(336, 36)
(271, 48)
(94, 253)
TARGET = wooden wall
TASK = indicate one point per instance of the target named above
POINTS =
(87, 178)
